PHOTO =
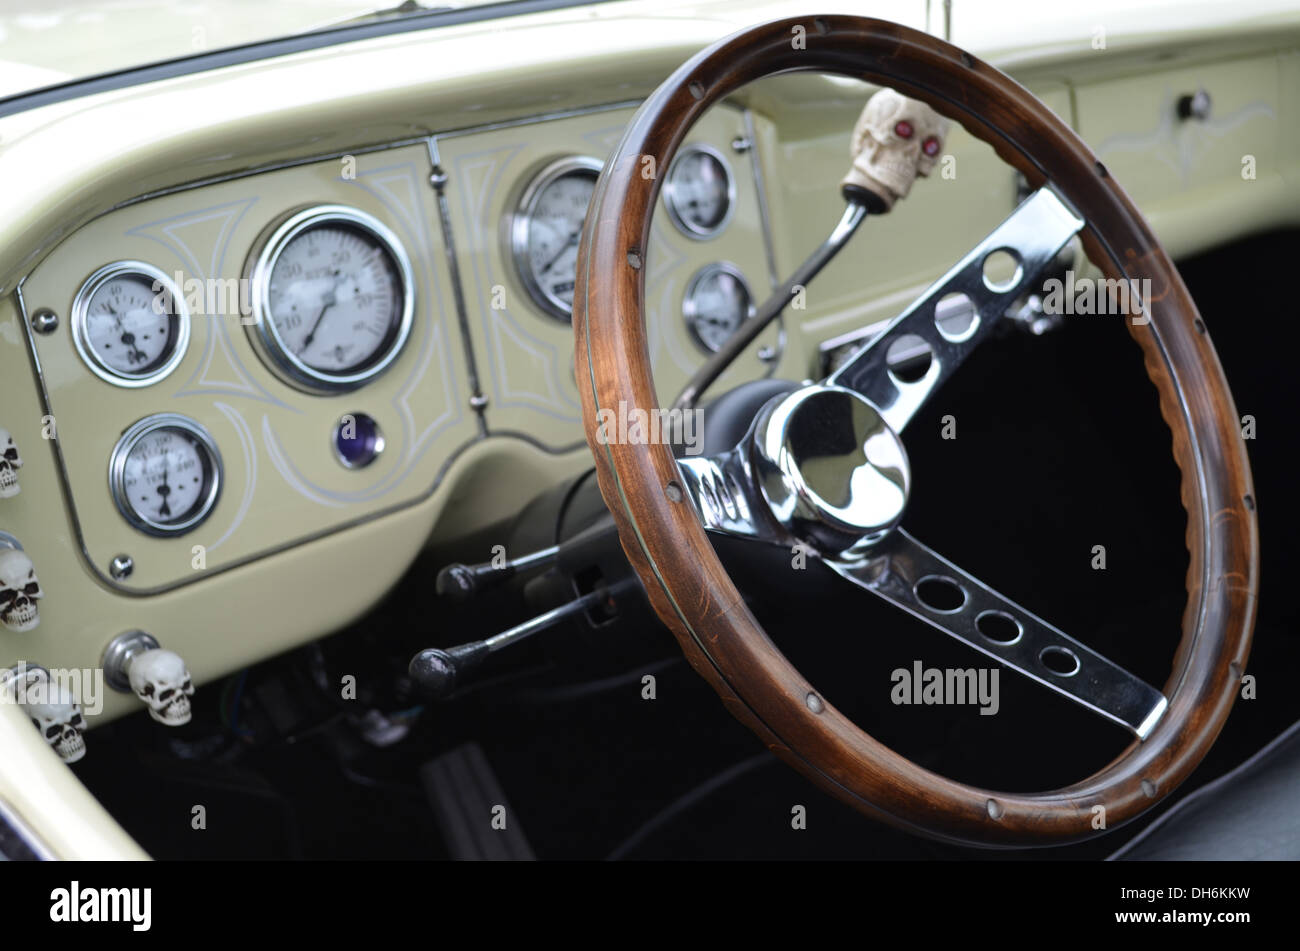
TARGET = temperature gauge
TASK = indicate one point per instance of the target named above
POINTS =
(717, 302)
(700, 192)
(129, 324)
(165, 474)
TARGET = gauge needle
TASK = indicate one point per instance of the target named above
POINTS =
(165, 490)
(573, 239)
(135, 354)
(328, 300)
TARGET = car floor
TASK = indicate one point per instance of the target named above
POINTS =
(1059, 448)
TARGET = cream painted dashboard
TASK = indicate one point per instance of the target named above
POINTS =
(300, 546)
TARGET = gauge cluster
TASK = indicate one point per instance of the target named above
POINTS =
(699, 194)
(260, 361)
(235, 369)
(514, 198)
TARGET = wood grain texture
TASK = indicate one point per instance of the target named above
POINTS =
(687, 584)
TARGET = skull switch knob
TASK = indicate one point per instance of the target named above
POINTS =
(894, 140)
(20, 589)
(10, 463)
(136, 663)
(52, 707)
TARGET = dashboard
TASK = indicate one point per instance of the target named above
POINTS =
(256, 362)
(283, 355)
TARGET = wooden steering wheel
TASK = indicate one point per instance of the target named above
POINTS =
(823, 466)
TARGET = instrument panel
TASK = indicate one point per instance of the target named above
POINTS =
(252, 364)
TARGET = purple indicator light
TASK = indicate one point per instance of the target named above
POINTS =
(357, 440)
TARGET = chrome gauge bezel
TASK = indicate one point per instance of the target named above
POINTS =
(689, 310)
(117, 473)
(521, 222)
(180, 317)
(262, 330)
(671, 194)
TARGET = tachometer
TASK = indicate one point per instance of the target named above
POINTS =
(546, 229)
(717, 302)
(333, 297)
(129, 323)
(165, 474)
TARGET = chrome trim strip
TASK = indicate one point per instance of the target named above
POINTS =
(438, 179)
(764, 212)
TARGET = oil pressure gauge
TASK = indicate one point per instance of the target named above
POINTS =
(129, 323)
(717, 302)
(165, 474)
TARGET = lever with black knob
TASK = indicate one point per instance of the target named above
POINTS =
(438, 671)
(461, 582)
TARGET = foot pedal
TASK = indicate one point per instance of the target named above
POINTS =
(470, 807)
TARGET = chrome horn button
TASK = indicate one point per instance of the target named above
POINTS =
(830, 468)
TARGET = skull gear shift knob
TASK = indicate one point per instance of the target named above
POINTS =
(894, 140)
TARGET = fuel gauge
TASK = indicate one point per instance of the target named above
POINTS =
(129, 324)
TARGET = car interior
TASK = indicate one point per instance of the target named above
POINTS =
(465, 432)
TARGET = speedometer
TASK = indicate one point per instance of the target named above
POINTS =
(333, 298)
(546, 229)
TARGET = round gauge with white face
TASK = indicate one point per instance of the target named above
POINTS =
(717, 302)
(165, 474)
(129, 323)
(700, 192)
(333, 298)
(546, 230)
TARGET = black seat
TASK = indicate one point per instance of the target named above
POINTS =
(1252, 812)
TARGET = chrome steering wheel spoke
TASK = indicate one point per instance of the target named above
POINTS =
(924, 584)
(1033, 235)
(725, 497)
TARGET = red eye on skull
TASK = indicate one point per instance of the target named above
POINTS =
(903, 129)
(930, 146)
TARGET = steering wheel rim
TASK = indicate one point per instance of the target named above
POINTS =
(684, 579)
